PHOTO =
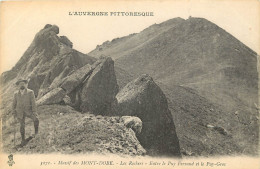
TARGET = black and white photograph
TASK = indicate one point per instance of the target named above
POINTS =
(130, 80)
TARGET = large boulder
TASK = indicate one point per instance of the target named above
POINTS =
(76, 78)
(98, 93)
(90, 88)
(53, 97)
(73, 83)
(144, 99)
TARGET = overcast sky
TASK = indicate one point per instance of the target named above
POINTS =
(20, 21)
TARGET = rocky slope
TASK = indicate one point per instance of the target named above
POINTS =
(77, 104)
(64, 130)
(198, 65)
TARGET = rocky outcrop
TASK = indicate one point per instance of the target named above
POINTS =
(144, 99)
(48, 41)
(48, 60)
(76, 78)
(91, 88)
(53, 97)
(98, 93)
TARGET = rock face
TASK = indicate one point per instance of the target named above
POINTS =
(63, 66)
(144, 99)
(98, 93)
(76, 78)
(53, 97)
(91, 88)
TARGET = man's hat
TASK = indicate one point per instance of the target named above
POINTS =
(21, 80)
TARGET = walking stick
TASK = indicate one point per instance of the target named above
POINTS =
(14, 135)
(14, 131)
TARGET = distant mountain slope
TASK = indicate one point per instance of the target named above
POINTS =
(119, 47)
(196, 54)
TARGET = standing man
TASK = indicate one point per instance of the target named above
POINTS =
(24, 106)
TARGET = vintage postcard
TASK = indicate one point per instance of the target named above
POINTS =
(129, 84)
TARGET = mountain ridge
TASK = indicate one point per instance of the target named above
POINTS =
(199, 55)
(143, 58)
(169, 23)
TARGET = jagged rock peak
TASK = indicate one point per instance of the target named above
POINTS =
(53, 28)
